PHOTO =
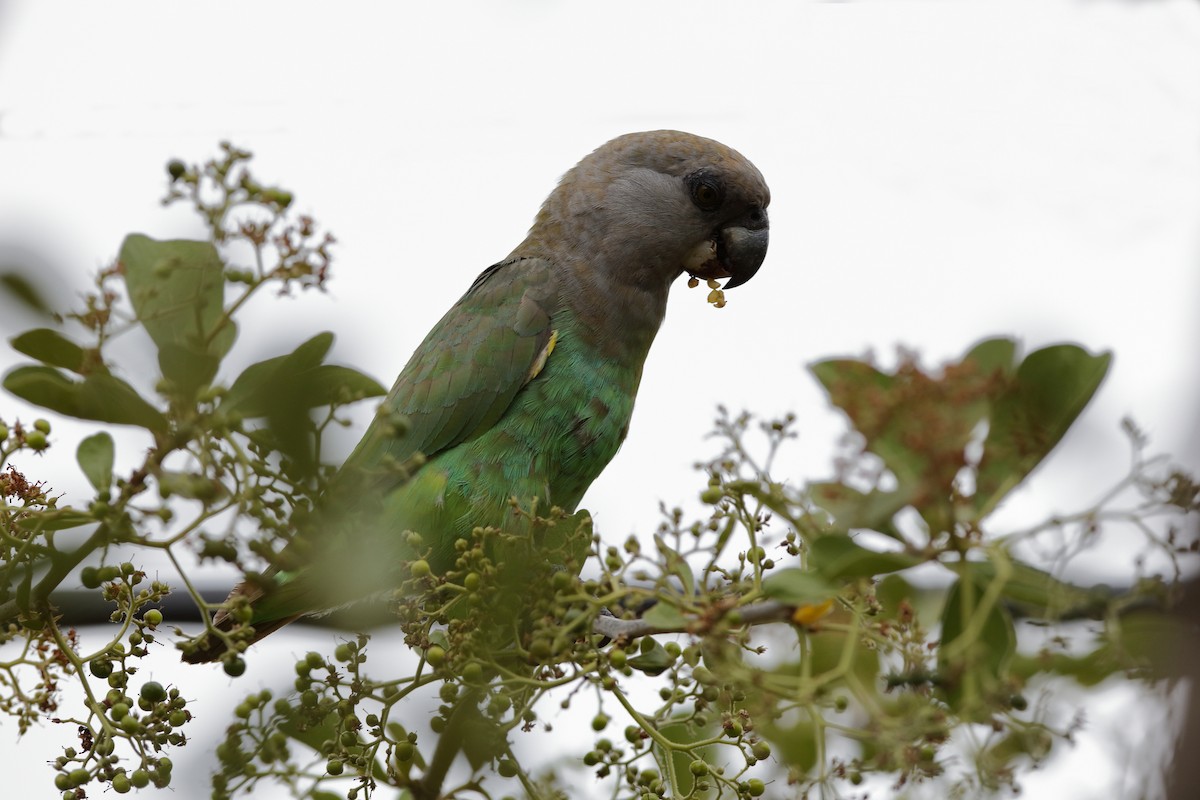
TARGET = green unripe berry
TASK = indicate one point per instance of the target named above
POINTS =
(420, 568)
(121, 784)
(334, 766)
(90, 578)
(36, 440)
(41, 425)
(118, 712)
(755, 787)
(698, 767)
(100, 668)
(235, 667)
(473, 672)
(140, 778)
(712, 495)
(507, 768)
(176, 169)
(153, 617)
(617, 657)
(471, 582)
(600, 722)
(178, 718)
(62, 781)
(435, 655)
(761, 750)
(153, 691)
(405, 751)
(343, 652)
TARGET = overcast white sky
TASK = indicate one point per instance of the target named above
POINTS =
(940, 172)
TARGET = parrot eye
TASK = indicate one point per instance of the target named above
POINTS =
(707, 190)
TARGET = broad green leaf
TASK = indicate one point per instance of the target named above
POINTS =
(994, 355)
(191, 486)
(258, 389)
(852, 509)
(177, 289)
(917, 422)
(1037, 593)
(50, 347)
(677, 565)
(1051, 387)
(798, 586)
(95, 455)
(793, 745)
(652, 658)
(56, 520)
(283, 389)
(978, 664)
(98, 397)
(685, 733)
(840, 558)
(317, 736)
(827, 654)
(21, 289)
(665, 615)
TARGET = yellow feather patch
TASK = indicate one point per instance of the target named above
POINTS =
(540, 362)
(808, 614)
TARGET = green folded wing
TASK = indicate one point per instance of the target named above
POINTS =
(465, 374)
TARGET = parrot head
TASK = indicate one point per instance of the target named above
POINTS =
(647, 207)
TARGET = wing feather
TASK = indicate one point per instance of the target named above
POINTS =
(465, 374)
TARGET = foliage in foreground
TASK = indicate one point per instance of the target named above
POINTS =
(796, 636)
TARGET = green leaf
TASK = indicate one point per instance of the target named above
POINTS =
(677, 565)
(95, 456)
(653, 658)
(50, 347)
(1051, 387)
(55, 520)
(1037, 593)
(284, 388)
(793, 745)
(797, 587)
(257, 391)
(664, 615)
(993, 355)
(99, 397)
(21, 289)
(840, 558)
(971, 669)
(685, 733)
(189, 485)
(852, 509)
(177, 289)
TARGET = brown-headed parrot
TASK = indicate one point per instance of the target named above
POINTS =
(524, 389)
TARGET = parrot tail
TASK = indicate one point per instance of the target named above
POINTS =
(210, 648)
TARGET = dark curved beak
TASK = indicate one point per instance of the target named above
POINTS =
(742, 246)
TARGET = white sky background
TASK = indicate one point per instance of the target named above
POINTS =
(940, 172)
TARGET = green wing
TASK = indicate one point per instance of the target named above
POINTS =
(470, 366)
